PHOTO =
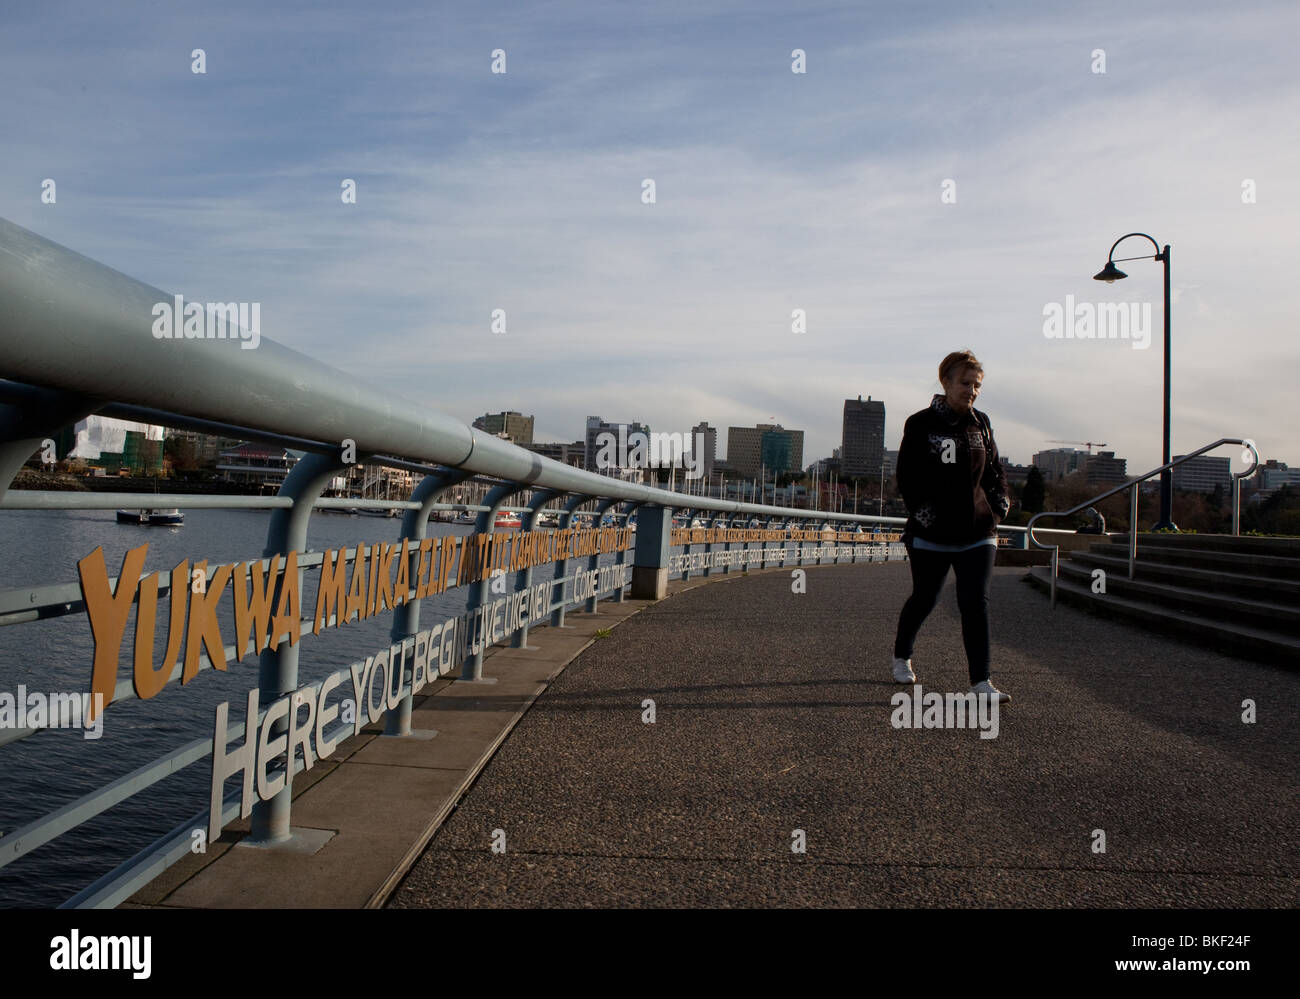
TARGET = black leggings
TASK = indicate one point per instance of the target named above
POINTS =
(974, 569)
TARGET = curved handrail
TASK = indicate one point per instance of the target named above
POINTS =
(1131, 484)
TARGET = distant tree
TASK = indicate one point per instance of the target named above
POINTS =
(1034, 493)
(1191, 512)
(1278, 513)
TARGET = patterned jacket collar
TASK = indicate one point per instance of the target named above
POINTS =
(940, 405)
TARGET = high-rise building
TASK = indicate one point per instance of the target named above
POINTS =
(710, 450)
(515, 426)
(863, 445)
(767, 446)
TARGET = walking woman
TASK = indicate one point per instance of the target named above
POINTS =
(955, 489)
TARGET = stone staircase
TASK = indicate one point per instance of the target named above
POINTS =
(1238, 595)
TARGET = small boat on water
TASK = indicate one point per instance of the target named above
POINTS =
(169, 517)
(506, 520)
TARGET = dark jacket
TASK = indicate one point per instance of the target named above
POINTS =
(954, 502)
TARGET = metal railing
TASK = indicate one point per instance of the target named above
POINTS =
(1132, 485)
(75, 341)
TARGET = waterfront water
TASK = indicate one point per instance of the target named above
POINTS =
(53, 767)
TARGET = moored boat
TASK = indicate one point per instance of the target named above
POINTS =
(169, 517)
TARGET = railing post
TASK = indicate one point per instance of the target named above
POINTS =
(406, 619)
(472, 671)
(278, 668)
(729, 524)
(621, 558)
(1056, 555)
(562, 564)
(524, 579)
(709, 526)
(654, 526)
(686, 514)
(1132, 529)
(593, 561)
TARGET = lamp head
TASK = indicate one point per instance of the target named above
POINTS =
(1110, 274)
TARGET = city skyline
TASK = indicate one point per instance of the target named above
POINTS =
(893, 184)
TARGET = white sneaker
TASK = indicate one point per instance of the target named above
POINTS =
(984, 687)
(903, 671)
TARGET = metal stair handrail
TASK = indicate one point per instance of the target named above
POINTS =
(1132, 484)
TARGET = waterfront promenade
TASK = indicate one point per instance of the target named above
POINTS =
(772, 714)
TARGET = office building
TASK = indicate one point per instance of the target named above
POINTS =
(1203, 473)
(1105, 469)
(1059, 462)
(863, 442)
(766, 446)
(515, 427)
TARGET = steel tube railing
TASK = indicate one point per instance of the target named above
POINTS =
(75, 338)
(1132, 484)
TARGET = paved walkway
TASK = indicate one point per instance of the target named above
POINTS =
(772, 714)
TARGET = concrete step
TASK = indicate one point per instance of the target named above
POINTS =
(1218, 606)
(1236, 639)
(1220, 581)
(1287, 547)
(1282, 567)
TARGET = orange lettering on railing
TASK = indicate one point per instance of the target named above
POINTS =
(357, 589)
(332, 594)
(288, 616)
(204, 629)
(108, 610)
(148, 681)
(253, 611)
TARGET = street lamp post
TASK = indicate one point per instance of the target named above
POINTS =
(1110, 274)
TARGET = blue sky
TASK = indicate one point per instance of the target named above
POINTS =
(775, 191)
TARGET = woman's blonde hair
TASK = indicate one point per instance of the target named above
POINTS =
(956, 362)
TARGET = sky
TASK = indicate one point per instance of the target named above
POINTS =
(937, 178)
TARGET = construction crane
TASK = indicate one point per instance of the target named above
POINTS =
(1090, 444)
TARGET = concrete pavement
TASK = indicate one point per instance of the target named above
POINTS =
(772, 729)
(772, 715)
